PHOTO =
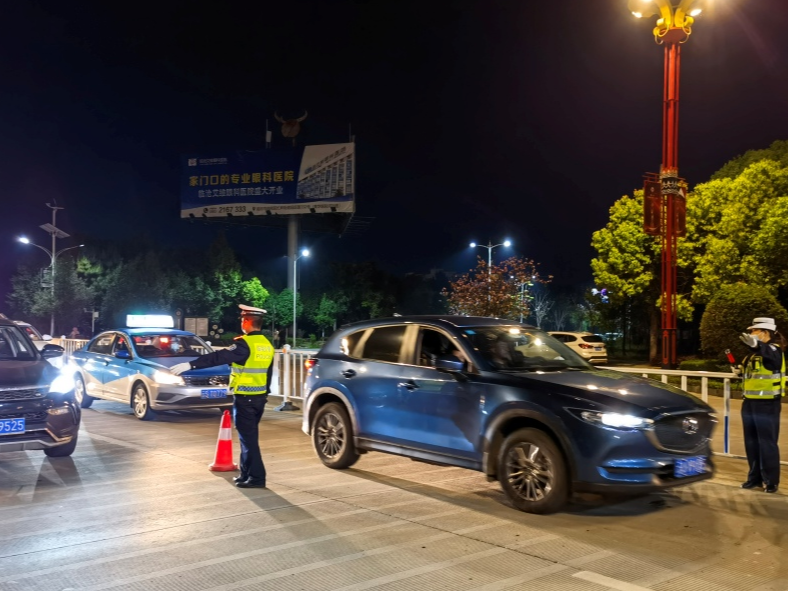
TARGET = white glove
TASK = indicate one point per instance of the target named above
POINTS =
(180, 368)
(749, 340)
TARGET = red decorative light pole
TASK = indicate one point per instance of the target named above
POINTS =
(664, 203)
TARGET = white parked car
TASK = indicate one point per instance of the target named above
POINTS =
(590, 346)
(38, 339)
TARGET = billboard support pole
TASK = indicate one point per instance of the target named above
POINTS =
(292, 249)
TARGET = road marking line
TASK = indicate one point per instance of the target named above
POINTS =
(519, 579)
(609, 582)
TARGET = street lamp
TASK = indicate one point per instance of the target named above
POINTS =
(304, 253)
(489, 246)
(52, 258)
(672, 29)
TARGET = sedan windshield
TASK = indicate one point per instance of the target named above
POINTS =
(517, 348)
(13, 345)
(169, 345)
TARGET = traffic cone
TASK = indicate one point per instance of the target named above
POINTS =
(223, 462)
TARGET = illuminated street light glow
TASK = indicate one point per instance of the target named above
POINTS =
(24, 240)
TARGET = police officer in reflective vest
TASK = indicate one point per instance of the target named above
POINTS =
(250, 359)
(763, 387)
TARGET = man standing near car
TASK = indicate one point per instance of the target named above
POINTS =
(250, 359)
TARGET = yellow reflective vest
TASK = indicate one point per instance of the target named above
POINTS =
(760, 382)
(252, 377)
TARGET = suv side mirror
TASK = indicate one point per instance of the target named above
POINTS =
(50, 351)
(449, 363)
(122, 355)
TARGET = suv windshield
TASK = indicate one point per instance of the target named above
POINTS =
(169, 345)
(517, 348)
(14, 345)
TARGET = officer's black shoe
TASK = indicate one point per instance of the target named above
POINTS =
(250, 484)
(238, 479)
(751, 484)
(771, 488)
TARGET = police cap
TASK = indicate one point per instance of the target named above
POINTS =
(251, 311)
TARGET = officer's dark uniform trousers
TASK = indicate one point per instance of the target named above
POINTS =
(247, 412)
(761, 420)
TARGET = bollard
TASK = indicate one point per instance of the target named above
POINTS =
(727, 394)
(287, 382)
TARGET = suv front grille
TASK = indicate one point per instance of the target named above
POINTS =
(32, 417)
(206, 380)
(685, 432)
(24, 394)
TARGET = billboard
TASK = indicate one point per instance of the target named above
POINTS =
(304, 179)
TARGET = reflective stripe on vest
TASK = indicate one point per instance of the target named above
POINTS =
(250, 378)
(760, 382)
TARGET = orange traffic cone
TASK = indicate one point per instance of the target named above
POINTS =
(223, 462)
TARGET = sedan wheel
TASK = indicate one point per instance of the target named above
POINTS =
(333, 438)
(81, 394)
(140, 403)
(532, 472)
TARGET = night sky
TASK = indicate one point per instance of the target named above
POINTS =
(473, 120)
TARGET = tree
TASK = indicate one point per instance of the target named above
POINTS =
(628, 266)
(327, 312)
(738, 229)
(731, 311)
(561, 312)
(253, 293)
(540, 306)
(494, 291)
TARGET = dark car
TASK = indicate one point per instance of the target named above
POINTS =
(132, 366)
(38, 409)
(506, 399)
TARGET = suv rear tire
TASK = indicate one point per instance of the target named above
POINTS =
(532, 472)
(332, 437)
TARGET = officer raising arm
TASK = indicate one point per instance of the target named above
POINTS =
(250, 359)
(763, 388)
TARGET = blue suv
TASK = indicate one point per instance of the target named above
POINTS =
(506, 399)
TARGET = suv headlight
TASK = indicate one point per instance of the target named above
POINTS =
(162, 377)
(62, 384)
(616, 420)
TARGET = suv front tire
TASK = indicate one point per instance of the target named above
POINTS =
(532, 472)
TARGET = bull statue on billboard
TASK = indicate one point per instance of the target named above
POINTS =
(291, 127)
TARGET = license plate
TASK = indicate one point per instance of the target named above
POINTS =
(597, 348)
(8, 426)
(685, 467)
(222, 393)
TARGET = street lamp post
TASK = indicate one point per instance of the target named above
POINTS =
(673, 28)
(304, 253)
(52, 258)
(489, 246)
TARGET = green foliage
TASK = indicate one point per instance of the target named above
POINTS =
(703, 365)
(253, 293)
(729, 314)
(778, 152)
(327, 311)
(738, 229)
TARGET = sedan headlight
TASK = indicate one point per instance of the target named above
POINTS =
(616, 420)
(162, 377)
(62, 384)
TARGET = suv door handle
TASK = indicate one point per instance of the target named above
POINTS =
(349, 373)
(409, 385)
